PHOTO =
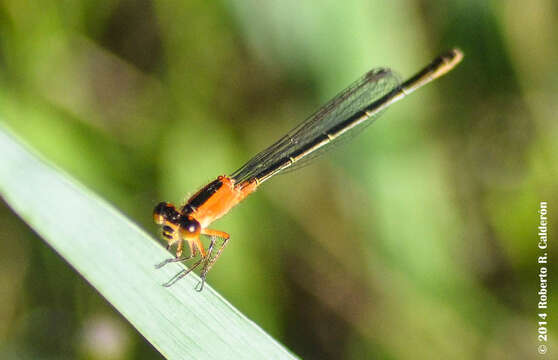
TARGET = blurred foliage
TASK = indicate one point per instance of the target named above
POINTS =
(416, 240)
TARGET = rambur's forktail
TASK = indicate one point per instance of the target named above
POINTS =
(348, 113)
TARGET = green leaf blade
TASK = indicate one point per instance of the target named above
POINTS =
(116, 257)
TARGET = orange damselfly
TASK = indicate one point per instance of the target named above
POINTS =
(348, 113)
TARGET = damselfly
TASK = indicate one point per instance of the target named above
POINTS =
(348, 113)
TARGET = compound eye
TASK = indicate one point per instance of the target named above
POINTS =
(159, 213)
(164, 211)
(190, 226)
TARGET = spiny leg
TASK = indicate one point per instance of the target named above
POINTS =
(195, 244)
(172, 260)
(220, 234)
(199, 286)
(178, 253)
(210, 261)
(205, 257)
(182, 273)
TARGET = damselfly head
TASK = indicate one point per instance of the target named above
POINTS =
(175, 226)
(165, 212)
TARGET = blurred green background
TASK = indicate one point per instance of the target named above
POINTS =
(417, 240)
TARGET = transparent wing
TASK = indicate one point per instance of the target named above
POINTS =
(363, 92)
